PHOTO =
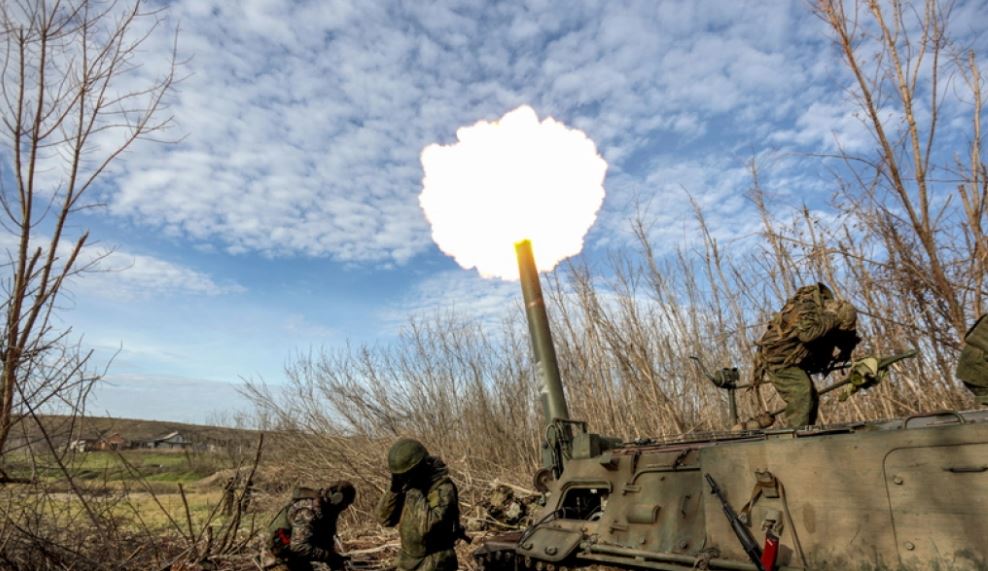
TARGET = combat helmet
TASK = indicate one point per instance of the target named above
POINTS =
(405, 454)
(340, 493)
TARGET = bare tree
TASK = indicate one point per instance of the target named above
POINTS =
(905, 69)
(73, 98)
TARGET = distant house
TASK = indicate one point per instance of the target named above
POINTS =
(112, 441)
(82, 445)
(170, 441)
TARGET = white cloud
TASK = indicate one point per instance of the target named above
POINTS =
(460, 292)
(123, 275)
(117, 274)
(662, 200)
(829, 127)
(305, 120)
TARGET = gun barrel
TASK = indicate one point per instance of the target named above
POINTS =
(888, 361)
(538, 328)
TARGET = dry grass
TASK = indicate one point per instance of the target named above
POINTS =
(129, 511)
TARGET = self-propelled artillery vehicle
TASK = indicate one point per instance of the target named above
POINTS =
(910, 493)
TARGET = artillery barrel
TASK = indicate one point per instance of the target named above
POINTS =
(538, 328)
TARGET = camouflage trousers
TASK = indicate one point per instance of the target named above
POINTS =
(980, 393)
(796, 388)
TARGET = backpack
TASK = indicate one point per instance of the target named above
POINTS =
(782, 331)
(280, 528)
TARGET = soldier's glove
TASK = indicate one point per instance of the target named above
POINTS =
(864, 374)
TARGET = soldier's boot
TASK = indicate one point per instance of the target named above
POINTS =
(796, 388)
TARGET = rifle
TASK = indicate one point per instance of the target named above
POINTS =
(748, 542)
(883, 364)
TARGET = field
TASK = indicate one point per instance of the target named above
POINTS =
(167, 504)
(153, 502)
(136, 473)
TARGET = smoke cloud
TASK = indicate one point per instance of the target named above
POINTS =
(509, 180)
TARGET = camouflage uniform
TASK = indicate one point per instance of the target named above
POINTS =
(304, 531)
(229, 495)
(801, 340)
(424, 506)
(972, 366)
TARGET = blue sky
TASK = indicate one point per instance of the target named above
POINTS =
(286, 219)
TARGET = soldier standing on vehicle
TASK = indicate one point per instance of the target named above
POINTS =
(422, 502)
(304, 531)
(811, 334)
(972, 367)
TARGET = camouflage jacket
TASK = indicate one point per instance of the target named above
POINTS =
(428, 520)
(309, 525)
(805, 334)
(972, 365)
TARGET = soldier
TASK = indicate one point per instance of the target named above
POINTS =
(248, 496)
(304, 531)
(229, 495)
(813, 332)
(972, 367)
(422, 502)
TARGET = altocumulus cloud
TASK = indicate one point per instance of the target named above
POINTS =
(305, 120)
(117, 274)
(121, 275)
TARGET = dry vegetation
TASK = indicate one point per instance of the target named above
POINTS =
(903, 240)
(134, 509)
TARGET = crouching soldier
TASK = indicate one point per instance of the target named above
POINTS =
(811, 334)
(422, 502)
(304, 531)
(972, 367)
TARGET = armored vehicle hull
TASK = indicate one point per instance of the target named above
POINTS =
(909, 494)
(902, 494)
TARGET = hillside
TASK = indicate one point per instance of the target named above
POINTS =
(61, 429)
